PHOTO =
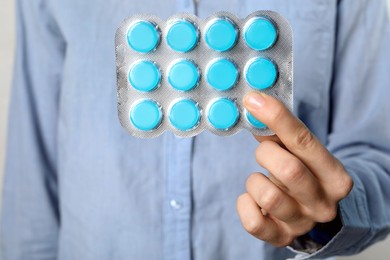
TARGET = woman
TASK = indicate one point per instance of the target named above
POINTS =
(77, 186)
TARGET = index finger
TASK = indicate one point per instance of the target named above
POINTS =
(295, 136)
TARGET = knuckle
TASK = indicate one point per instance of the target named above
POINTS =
(304, 139)
(326, 214)
(241, 199)
(251, 180)
(293, 172)
(271, 200)
(345, 186)
(254, 227)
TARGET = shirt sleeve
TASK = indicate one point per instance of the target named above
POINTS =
(360, 125)
(29, 218)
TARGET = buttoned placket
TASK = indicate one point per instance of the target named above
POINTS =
(177, 198)
(177, 207)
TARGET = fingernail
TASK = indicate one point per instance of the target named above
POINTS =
(254, 101)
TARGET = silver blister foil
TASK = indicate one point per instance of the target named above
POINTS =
(281, 54)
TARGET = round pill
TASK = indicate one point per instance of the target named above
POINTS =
(183, 75)
(222, 74)
(261, 73)
(143, 36)
(144, 76)
(253, 121)
(146, 115)
(260, 33)
(182, 36)
(184, 115)
(223, 114)
(221, 34)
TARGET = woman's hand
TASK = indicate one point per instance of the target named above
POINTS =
(305, 183)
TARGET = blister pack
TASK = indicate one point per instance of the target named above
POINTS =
(187, 75)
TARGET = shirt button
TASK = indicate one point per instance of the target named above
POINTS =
(175, 204)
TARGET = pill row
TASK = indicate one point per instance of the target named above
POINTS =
(221, 35)
(185, 115)
(221, 74)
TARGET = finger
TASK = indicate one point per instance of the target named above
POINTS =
(293, 134)
(272, 199)
(258, 225)
(273, 138)
(294, 178)
(288, 173)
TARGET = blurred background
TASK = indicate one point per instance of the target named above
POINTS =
(380, 251)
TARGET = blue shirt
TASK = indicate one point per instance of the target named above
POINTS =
(78, 186)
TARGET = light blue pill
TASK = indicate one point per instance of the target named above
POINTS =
(221, 35)
(144, 76)
(184, 115)
(223, 114)
(146, 115)
(222, 74)
(260, 33)
(143, 36)
(182, 36)
(261, 73)
(253, 121)
(183, 75)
